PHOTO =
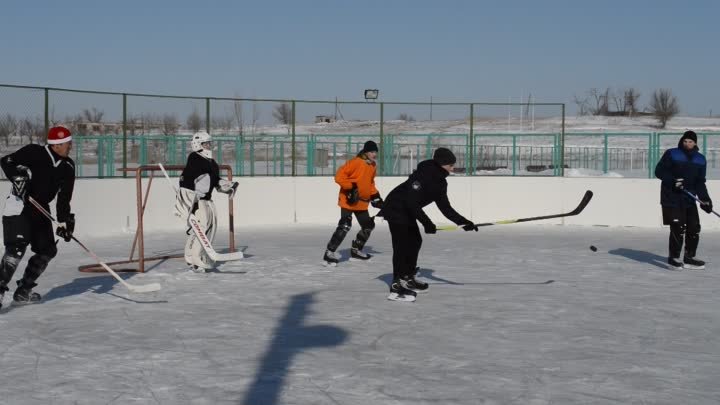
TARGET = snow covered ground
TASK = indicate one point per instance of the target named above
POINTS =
(515, 314)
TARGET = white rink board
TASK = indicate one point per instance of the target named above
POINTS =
(106, 206)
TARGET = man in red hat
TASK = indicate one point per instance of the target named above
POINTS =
(40, 172)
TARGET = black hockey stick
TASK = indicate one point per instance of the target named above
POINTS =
(698, 200)
(134, 288)
(583, 203)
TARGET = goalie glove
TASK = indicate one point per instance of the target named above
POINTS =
(228, 187)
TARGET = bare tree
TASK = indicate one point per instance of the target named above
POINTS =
(664, 106)
(33, 128)
(8, 126)
(224, 122)
(406, 117)
(93, 115)
(600, 101)
(170, 124)
(255, 117)
(239, 119)
(194, 122)
(283, 113)
(582, 105)
(630, 99)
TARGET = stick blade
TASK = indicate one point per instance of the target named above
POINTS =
(145, 288)
(583, 203)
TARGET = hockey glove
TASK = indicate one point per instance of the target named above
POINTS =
(707, 206)
(65, 229)
(228, 187)
(353, 196)
(430, 228)
(469, 226)
(376, 201)
(21, 181)
(678, 185)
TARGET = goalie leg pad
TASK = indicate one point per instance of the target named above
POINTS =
(208, 220)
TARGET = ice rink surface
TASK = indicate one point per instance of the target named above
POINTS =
(515, 314)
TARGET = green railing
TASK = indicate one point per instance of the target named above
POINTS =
(607, 154)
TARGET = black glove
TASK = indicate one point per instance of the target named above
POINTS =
(430, 228)
(707, 206)
(353, 196)
(21, 181)
(65, 229)
(377, 201)
(678, 185)
(469, 226)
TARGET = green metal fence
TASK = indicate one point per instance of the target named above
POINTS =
(263, 137)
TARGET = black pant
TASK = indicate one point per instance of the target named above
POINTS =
(367, 224)
(406, 243)
(684, 224)
(19, 231)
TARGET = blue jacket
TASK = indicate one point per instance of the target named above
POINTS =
(689, 165)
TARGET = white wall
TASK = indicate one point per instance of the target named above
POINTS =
(109, 205)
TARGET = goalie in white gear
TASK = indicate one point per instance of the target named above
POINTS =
(200, 176)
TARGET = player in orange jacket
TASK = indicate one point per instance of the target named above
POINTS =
(357, 189)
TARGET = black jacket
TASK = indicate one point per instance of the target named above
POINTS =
(196, 166)
(425, 185)
(52, 176)
(689, 165)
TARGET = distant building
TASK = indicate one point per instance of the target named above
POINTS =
(323, 119)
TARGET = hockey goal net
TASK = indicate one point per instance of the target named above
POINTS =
(137, 260)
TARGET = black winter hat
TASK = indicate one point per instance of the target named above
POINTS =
(689, 135)
(444, 156)
(370, 146)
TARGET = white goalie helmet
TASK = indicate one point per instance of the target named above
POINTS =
(197, 144)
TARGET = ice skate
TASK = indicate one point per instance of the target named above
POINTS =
(674, 264)
(331, 259)
(358, 254)
(690, 263)
(400, 293)
(24, 294)
(416, 285)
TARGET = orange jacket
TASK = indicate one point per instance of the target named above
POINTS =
(360, 171)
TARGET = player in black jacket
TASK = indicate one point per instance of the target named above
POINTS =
(683, 168)
(200, 176)
(404, 207)
(41, 172)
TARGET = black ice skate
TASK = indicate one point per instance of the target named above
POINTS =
(400, 293)
(674, 264)
(690, 263)
(3, 289)
(24, 294)
(416, 285)
(359, 254)
(331, 259)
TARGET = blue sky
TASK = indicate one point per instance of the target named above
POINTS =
(410, 50)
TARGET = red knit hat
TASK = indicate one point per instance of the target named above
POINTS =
(58, 135)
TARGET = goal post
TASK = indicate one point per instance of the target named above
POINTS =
(135, 263)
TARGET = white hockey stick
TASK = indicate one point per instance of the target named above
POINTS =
(134, 288)
(200, 233)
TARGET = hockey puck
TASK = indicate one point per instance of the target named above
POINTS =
(593, 248)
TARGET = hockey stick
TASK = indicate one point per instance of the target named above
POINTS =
(134, 288)
(200, 233)
(698, 200)
(583, 203)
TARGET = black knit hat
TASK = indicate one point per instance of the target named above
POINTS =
(689, 135)
(370, 146)
(444, 156)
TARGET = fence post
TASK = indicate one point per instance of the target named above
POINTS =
(605, 152)
(469, 171)
(293, 153)
(207, 115)
(47, 110)
(382, 139)
(124, 134)
(562, 141)
(514, 156)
